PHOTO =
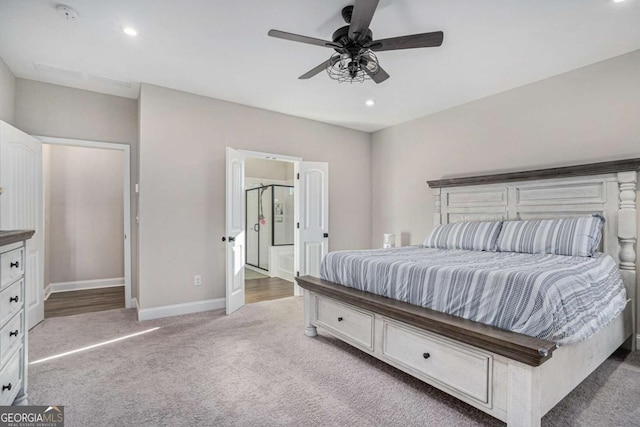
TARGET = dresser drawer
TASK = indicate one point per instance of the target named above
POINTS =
(11, 266)
(352, 324)
(11, 301)
(10, 337)
(426, 355)
(10, 379)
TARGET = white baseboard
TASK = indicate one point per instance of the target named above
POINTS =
(134, 304)
(47, 292)
(84, 284)
(180, 309)
(637, 342)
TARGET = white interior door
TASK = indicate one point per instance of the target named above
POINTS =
(235, 230)
(21, 208)
(312, 241)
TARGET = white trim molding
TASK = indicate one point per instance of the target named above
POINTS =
(81, 285)
(180, 309)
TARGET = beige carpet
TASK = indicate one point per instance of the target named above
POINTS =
(256, 368)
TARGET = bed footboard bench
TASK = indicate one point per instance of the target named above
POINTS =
(513, 377)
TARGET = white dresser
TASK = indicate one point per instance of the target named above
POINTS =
(13, 331)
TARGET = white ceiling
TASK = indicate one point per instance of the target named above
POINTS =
(220, 48)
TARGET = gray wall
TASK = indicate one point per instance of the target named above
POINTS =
(7, 94)
(182, 177)
(84, 213)
(587, 115)
(58, 111)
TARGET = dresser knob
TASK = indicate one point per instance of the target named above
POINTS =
(6, 387)
(13, 333)
(340, 319)
(15, 264)
(426, 355)
(13, 299)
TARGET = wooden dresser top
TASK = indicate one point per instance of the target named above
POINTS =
(12, 236)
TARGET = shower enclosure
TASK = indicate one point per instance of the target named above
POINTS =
(269, 222)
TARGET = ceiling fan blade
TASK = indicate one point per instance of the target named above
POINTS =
(408, 42)
(301, 39)
(363, 11)
(378, 77)
(315, 70)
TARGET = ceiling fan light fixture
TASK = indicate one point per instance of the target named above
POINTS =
(345, 68)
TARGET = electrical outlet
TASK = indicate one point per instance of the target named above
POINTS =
(197, 280)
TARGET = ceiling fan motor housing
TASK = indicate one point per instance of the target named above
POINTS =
(341, 36)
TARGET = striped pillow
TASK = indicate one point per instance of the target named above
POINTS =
(578, 236)
(472, 236)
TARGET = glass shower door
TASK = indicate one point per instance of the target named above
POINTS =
(259, 226)
(265, 225)
(252, 228)
(283, 228)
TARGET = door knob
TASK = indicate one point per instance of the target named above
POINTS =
(224, 239)
(232, 239)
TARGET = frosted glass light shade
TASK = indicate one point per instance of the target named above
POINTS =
(389, 241)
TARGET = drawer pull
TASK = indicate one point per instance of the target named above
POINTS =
(426, 355)
(13, 299)
(14, 264)
(6, 387)
(340, 319)
(13, 333)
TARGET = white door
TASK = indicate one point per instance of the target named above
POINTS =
(21, 208)
(235, 230)
(312, 231)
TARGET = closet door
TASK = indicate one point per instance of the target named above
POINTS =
(21, 200)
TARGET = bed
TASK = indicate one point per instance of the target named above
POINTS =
(513, 371)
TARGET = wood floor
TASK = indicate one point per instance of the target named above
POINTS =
(257, 290)
(90, 300)
(86, 301)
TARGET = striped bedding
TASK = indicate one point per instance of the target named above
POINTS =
(559, 298)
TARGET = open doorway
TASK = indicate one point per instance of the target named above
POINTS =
(270, 226)
(87, 226)
(311, 216)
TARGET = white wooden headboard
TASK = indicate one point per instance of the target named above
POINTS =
(613, 195)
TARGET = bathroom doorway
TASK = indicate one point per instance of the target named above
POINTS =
(270, 228)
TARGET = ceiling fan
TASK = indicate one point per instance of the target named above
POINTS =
(354, 58)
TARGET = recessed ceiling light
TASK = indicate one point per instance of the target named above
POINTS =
(130, 31)
(618, 1)
(370, 102)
